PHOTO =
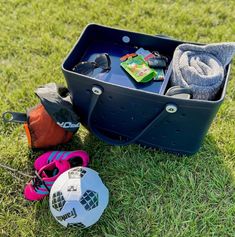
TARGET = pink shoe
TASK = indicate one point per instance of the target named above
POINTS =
(40, 186)
(75, 158)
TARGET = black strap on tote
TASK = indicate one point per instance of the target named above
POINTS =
(97, 92)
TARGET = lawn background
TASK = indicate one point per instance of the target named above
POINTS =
(152, 193)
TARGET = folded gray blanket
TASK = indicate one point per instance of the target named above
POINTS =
(201, 67)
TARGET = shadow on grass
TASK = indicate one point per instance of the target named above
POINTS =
(155, 193)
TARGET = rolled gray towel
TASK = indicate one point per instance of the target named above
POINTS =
(201, 67)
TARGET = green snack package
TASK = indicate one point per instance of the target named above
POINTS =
(138, 68)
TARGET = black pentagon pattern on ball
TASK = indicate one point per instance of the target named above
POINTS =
(58, 201)
(89, 200)
(76, 225)
(76, 173)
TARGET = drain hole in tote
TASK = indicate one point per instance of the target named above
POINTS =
(183, 115)
(177, 130)
(110, 97)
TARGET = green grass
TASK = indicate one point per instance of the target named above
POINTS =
(152, 193)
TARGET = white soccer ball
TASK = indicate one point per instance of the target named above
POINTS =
(78, 197)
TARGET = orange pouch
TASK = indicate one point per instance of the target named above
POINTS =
(41, 130)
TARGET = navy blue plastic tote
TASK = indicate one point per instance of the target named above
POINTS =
(119, 111)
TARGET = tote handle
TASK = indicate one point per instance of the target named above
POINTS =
(97, 92)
